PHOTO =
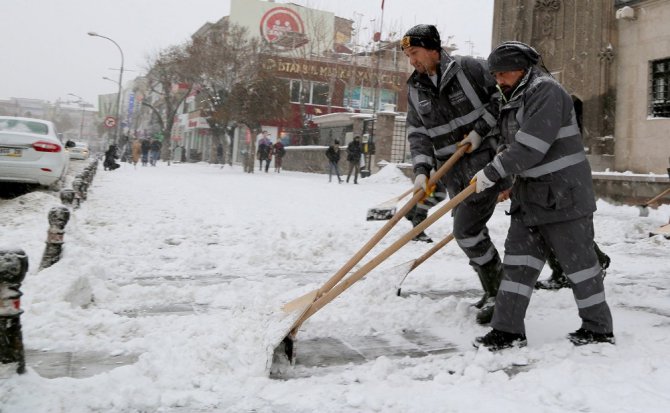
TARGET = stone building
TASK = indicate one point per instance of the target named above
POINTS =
(613, 57)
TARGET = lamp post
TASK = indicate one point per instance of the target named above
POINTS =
(118, 96)
(83, 105)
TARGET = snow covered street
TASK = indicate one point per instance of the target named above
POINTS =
(220, 251)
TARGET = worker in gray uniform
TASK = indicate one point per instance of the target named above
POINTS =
(453, 101)
(552, 199)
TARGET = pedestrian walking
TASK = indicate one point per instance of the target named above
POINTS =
(146, 147)
(136, 150)
(453, 101)
(154, 152)
(354, 151)
(219, 154)
(552, 199)
(333, 155)
(264, 153)
(278, 151)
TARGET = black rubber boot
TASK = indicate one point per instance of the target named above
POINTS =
(416, 217)
(490, 275)
(558, 280)
(603, 259)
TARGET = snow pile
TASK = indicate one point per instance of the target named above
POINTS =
(389, 174)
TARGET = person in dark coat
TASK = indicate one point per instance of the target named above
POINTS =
(109, 164)
(552, 199)
(278, 151)
(146, 147)
(354, 151)
(154, 152)
(453, 101)
(264, 151)
(333, 155)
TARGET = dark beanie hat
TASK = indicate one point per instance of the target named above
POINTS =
(422, 35)
(512, 55)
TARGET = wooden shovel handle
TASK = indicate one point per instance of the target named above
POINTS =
(657, 197)
(398, 198)
(358, 256)
(501, 198)
(373, 263)
(432, 251)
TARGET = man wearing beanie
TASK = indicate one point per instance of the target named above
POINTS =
(453, 102)
(552, 199)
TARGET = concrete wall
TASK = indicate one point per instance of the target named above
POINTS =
(642, 143)
(310, 159)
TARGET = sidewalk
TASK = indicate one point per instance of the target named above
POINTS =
(172, 276)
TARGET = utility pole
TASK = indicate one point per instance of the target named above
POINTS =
(82, 103)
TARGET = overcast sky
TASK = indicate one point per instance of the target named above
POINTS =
(47, 53)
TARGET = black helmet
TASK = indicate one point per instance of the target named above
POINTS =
(422, 35)
(512, 55)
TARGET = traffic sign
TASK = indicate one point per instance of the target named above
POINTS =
(110, 121)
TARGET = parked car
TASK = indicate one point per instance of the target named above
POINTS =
(79, 151)
(31, 152)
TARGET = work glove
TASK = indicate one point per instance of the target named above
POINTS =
(483, 182)
(420, 182)
(473, 139)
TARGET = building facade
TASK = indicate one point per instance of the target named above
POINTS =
(314, 52)
(642, 126)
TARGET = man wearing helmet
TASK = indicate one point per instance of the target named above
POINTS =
(453, 102)
(552, 199)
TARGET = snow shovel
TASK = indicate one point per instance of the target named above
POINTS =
(644, 208)
(387, 209)
(285, 349)
(384, 230)
(298, 306)
(404, 269)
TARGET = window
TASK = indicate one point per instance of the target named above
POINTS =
(17, 125)
(319, 93)
(296, 88)
(313, 93)
(659, 106)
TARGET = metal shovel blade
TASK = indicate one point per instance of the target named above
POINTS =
(281, 351)
(381, 214)
(400, 273)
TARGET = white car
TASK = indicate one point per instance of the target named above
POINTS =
(78, 151)
(31, 152)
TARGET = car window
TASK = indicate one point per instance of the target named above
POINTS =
(17, 125)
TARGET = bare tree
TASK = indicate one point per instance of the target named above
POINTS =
(170, 81)
(234, 87)
(262, 97)
(219, 60)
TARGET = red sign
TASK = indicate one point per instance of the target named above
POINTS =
(283, 28)
(109, 121)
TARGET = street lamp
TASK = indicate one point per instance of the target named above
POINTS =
(83, 105)
(118, 97)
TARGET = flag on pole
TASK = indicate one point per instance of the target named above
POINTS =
(382, 4)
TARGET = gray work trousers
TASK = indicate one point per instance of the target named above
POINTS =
(471, 215)
(526, 249)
